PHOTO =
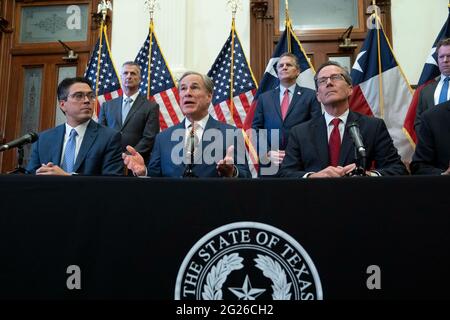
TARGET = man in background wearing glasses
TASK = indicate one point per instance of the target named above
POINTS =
(79, 146)
(323, 147)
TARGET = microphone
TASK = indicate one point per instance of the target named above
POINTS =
(30, 137)
(190, 151)
(353, 128)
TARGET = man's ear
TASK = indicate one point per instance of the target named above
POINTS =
(351, 90)
(62, 106)
(317, 95)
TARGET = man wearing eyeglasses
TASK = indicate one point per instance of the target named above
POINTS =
(323, 147)
(280, 109)
(79, 146)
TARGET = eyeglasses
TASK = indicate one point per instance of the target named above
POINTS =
(334, 77)
(79, 96)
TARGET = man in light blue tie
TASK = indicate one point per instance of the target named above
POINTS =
(133, 115)
(79, 146)
(436, 92)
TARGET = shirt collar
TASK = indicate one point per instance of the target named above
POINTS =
(80, 129)
(133, 96)
(329, 117)
(201, 123)
(291, 88)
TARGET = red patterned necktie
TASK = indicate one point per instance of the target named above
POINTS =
(334, 144)
(285, 104)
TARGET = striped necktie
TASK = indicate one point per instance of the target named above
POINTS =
(69, 153)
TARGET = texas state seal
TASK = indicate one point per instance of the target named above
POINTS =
(247, 261)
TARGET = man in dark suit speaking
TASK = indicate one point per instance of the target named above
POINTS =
(133, 114)
(199, 146)
(323, 147)
(80, 146)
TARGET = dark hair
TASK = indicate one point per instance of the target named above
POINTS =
(443, 42)
(344, 72)
(294, 57)
(209, 85)
(64, 85)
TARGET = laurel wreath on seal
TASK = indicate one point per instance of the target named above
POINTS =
(272, 270)
(215, 279)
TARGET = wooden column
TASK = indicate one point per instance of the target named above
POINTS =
(261, 44)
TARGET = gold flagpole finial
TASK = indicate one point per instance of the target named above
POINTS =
(286, 10)
(235, 5)
(151, 6)
(103, 8)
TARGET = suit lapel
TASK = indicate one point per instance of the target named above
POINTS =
(116, 113)
(295, 99)
(89, 137)
(347, 153)
(137, 103)
(320, 139)
(210, 124)
(276, 102)
(56, 149)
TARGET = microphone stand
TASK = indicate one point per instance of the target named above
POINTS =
(360, 170)
(188, 172)
(19, 169)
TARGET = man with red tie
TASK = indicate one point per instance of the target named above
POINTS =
(284, 107)
(323, 147)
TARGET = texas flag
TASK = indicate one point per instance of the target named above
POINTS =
(430, 72)
(381, 89)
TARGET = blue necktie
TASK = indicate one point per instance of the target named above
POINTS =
(126, 108)
(444, 91)
(69, 153)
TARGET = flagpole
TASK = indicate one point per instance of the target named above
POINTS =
(287, 25)
(234, 6)
(151, 4)
(380, 67)
(103, 7)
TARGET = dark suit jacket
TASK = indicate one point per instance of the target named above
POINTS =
(100, 152)
(303, 107)
(307, 150)
(169, 146)
(432, 154)
(426, 101)
(140, 126)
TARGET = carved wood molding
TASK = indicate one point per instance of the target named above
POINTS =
(259, 9)
(4, 26)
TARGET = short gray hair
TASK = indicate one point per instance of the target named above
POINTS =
(209, 85)
(132, 63)
(345, 73)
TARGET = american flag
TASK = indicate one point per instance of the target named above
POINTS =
(244, 84)
(232, 107)
(157, 82)
(103, 73)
